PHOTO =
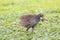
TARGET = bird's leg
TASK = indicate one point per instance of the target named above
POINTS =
(33, 29)
(27, 29)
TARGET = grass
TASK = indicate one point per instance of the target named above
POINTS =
(11, 10)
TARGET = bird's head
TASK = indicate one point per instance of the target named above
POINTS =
(41, 16)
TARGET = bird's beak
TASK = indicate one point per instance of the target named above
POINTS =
(42, 18)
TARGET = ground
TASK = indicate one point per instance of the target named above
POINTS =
(11, 10)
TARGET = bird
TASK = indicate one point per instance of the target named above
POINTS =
(30, 20)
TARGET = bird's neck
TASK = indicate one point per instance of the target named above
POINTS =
(38, 18)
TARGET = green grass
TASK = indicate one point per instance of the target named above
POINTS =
(11, 10)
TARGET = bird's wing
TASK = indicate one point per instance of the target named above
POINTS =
(24, 20)
(26, 17)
